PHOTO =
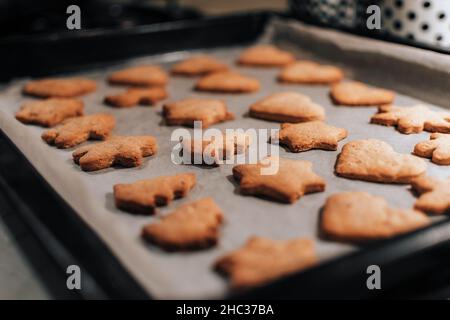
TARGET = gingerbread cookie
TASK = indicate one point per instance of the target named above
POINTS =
(310, 135)
(186, 111)
(412, 119)
(437, 148)
(126, 151)
(191, 226)
(376, 161)
(198, 65)
(49, 112)
(144, 75)
(262, 260)
(286, 183)
(308, 72)
(74, 131)
(213, 151)
(59, 87)
(134, 96)
(227, 81)
(434, 195)
(265, 56)
(287, 107)
(359, 216)
(144, 195)
(354, 93)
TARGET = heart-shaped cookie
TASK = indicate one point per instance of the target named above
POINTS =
(376, 161)
(354, 93)
(359, 216)
(308, 72)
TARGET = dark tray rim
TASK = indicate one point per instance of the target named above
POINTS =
(343, 277)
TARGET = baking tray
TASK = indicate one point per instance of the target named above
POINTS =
(189, 275)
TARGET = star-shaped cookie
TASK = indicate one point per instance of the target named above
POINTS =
(126, 151)
(186, 111)
(305, 136)
(308, 72)
(281, 179)
(359, 216)
(412, 119)
(437, 148)
(227, 82)
(143, 75)
(198, 65)
(376, 161)
(191, 226)
(49, 112)
(434, 195)
(134, 96)
(144, 195)
(262, 260)
(287, 107)
(352, 93)
(74, 131)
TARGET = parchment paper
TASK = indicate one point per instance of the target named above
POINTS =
(189, 275)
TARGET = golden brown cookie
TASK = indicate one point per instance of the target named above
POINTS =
(144, 195)
(125, 151)
(227, 81)
(352, 93)
(213, 151)
(434, 195)
(49, 112)
(198, 65)
(376, 161)
(310, 135)
(412, 119)
(262, 260)
(287, 107)
(144, 75)
(308, 72)
(191, 226)
(293, 179)
(437, 148)
(186, 111)
(134, 96)
(59, 87)
(359, 217)
(265, 56)
(74, 131)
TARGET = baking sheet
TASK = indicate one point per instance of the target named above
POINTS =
(189, 275)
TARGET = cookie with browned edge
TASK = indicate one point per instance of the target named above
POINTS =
(265, 56)
(287, 107)
(49, 112)
(437, 148)
(305, 136)
(434, 194)
(281, 179)
(143, 75)
(198, 66)
(308, 72)
(412, 119)
(352, 93)
(144, 196)
(227, 82)
(360, 216)
(186, 111)
(125, 151)
(191, 226)
(261, 260)
(74, 131)
(134, 96)
(376, 161)
(59, 87)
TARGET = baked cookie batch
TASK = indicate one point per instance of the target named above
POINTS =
(348, 216)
